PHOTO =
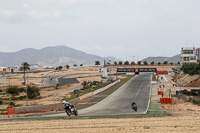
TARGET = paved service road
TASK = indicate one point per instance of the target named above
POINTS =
(119, 102)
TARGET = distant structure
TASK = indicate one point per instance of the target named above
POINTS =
(190, 55)
(8, 69)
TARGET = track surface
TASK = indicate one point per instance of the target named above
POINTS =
(119, 102)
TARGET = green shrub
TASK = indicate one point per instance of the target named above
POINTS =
(21, 89)
(1, 102)
(57, 85)
(33, 92)
(191, 68)
(190, 99)
(13, 90)
(11, 104)
(146, 127)
(21, 97)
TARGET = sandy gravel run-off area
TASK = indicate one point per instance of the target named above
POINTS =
(160, 125)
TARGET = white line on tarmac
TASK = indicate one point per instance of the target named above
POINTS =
(165, 78)
(137, 92)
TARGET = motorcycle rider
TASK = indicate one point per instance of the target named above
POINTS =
(67, 104)
(134, 106)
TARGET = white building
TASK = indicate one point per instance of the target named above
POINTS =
(189, 55)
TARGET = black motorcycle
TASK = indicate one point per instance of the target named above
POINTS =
(71, 110)
(134, 106)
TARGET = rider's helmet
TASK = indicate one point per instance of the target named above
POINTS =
(64, 102)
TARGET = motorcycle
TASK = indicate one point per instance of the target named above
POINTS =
(134, 106)
(71, 110)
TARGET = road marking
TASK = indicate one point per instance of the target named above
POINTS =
(137, 92)
(165, 78)
(150, 92)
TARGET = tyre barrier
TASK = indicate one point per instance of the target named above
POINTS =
(160, 92)
(11, 111)
(165, 100)
(193, 92)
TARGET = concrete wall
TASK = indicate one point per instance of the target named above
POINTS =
(104, 88)
(86, 96)
(36, 108)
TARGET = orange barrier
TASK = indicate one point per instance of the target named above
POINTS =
(160, 92)
(165, 100)
(170, 101)
(162, 72)
(11, 111)
(161, 100)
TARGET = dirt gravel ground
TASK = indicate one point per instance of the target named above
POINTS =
(129, 125)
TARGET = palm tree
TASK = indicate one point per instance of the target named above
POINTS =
(24, 67)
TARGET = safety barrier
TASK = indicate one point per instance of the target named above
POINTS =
(11, 111)
(165, 100)
(160, 92)
(105, 88)
(85, 96)
(162, 72)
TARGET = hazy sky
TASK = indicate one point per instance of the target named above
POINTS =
(120, 28)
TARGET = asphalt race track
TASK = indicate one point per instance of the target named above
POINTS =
(119, 102)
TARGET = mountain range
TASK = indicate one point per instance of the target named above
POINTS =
(49, 57)
(63, 55)
(173, 59)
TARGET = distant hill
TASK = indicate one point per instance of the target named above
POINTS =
(173, 59)
(49, 57)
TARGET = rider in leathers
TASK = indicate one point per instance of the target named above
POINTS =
(67, 104)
